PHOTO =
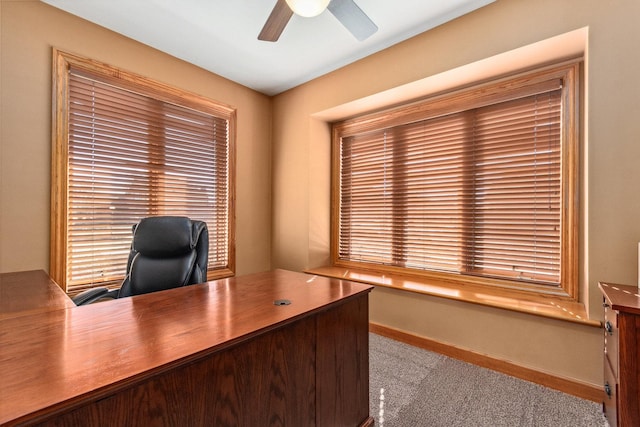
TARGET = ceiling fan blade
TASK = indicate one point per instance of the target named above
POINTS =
(353, 18)
(276, 22)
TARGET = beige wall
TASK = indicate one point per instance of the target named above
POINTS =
(611, 173)
(28, 31)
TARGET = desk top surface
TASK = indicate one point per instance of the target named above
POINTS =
(623, 298)
(56, 356)
(30, 292)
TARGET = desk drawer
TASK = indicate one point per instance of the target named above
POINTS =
(610, 400)
(611, 334)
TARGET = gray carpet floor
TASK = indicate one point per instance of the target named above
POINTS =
(412, 387)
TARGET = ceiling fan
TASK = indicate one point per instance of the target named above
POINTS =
(346, 11)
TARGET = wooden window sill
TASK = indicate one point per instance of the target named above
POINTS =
(539, 305)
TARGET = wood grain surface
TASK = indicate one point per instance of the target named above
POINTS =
(30, 292)
(220, 351)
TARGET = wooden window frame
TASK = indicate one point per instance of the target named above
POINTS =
(463, 99)
(62, 64)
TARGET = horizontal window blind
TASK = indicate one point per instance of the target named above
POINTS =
(475, 192)
(132, 156)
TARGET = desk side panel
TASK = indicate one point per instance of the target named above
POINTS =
(343, 365)
(629, 370)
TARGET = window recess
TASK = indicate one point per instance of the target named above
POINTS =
(476, 186)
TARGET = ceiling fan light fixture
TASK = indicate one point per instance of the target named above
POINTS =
(308, 8)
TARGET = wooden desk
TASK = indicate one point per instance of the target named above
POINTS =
(30, 292)
(220, 354)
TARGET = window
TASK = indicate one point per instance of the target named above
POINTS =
(477, 186)
(125, 148)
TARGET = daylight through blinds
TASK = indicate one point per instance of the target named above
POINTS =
(473, 192)
(132, 156)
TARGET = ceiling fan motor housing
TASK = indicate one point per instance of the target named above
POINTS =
(308, 8)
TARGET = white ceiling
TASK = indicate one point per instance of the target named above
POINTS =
(221, 35)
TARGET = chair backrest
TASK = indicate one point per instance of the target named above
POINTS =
(166, 252)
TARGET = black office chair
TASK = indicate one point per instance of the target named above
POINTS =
(166, 252)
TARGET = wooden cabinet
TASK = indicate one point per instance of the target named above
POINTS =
(621, 354)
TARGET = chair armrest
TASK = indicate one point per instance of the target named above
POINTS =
(91, 295)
